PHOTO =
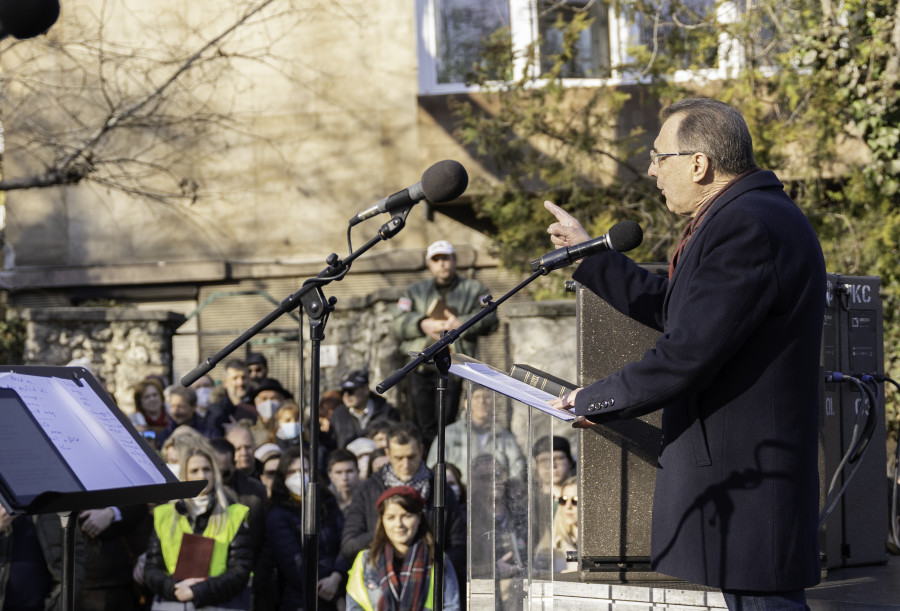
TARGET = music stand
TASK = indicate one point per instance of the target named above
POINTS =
(65, 447)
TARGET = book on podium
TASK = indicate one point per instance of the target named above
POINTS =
(498, 381)
(541, 379)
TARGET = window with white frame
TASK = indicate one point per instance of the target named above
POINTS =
(591, 52)
(452, 35)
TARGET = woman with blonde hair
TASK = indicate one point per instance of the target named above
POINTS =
(213, 514)
(564, 533)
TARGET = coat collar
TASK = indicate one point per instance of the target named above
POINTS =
(757, 180)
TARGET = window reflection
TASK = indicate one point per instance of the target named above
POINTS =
(461, 29)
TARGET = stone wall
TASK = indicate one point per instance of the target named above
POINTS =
(122, 345)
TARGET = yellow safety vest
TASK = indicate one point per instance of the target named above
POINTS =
(170, 540)
(358, 591)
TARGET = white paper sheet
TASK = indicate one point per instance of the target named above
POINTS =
(511, 387)
(97, 447)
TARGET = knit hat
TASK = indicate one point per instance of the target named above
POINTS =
(406, 491)
(559, 444)
(266, 451)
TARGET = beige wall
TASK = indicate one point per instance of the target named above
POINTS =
(328, 124)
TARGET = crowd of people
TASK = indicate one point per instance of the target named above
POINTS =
(375, 507)
(247, 437)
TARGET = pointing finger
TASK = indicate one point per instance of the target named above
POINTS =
(561, 215)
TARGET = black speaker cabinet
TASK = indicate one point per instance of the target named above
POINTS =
(853, 344)
(617, 462)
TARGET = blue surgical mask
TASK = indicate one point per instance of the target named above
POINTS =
(203, 396)
(266, 408)
(289, 430)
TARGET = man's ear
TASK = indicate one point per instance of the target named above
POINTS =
(701, 168)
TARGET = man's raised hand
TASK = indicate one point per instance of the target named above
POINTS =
(566, 231)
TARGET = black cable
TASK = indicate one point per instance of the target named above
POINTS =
(869, 429)
(895, 527)
(858, 443)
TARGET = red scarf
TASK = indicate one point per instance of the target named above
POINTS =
(688, 232)
(406, 590)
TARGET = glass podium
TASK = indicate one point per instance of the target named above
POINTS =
(513, 473)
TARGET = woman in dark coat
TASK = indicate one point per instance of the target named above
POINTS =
(284, 534)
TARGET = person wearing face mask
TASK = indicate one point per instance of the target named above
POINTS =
(284, 536)
(203, 387)
(267, 397)
(284, 427)
(214, 514)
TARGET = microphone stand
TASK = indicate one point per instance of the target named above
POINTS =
(317, 309)
(439, 354)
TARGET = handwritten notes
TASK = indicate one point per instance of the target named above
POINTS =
(91, 440)
(30, 465)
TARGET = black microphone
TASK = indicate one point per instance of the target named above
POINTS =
(622, 237)
(444, 181)
(27, 19)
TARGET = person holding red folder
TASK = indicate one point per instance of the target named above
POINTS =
(199, 551)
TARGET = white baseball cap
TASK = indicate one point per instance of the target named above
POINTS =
(441, 247)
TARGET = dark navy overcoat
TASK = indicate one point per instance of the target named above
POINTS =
(736, 373)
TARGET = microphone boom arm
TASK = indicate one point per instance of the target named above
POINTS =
(336, 270)
(451, 336)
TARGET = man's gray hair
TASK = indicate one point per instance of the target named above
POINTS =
(716, 129)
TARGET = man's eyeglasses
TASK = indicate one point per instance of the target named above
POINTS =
(655, 157)
(564, 500)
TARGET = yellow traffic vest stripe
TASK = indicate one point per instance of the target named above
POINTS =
(170, 541)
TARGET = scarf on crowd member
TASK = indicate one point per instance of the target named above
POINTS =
(406, 590)
(688, 232)
(421, 481)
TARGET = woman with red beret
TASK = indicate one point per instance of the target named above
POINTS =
(395, 572)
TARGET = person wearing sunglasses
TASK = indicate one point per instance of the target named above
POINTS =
(565, 526)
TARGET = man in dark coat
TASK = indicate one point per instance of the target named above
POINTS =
(359, 406)
(735, 370)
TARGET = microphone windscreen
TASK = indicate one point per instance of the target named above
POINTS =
(625, 236)
(27, 18)
(444, 181)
